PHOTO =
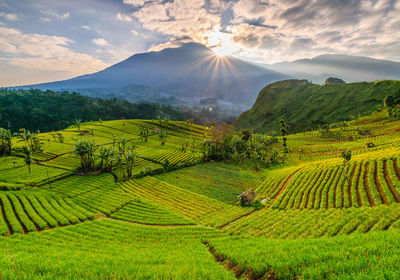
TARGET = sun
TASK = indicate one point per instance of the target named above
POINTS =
(221, 43)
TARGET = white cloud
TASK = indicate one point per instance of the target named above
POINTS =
(134, 32)
(123, 17)
(275, 30)
(45, 52)
(86, 27)
(60, 16)
(100, 42)
(135, 3)
(7, 16)
(45, 19)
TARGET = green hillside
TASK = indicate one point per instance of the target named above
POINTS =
(306, 106)
(316, 218)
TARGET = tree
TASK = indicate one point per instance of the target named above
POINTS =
(28, 158)
(283, 133)
(85, 150)
(144, 133)
(106, 155)
(163, 136)
(122, 144)
(129, 161)
(77, 124)
(5, 141)
(334, 81)
(31, 138)
(61, 139)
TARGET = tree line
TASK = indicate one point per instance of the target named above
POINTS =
(35, 109)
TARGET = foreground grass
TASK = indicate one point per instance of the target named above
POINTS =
(108, 249)
(356, 256)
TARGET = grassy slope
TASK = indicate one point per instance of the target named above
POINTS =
(304, 105)
(69, 243)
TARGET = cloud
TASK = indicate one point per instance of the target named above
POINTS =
(172, 43)
(86, 27)
(60, 16)
(45, 19)
(275, 30)
(45, 52)
(180, 18)
(135, 3)
(123, 17)
(100, 42)
(11, 17)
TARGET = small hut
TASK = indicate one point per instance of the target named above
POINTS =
(247, 197)
(84, 132)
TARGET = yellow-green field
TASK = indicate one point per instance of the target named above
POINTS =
(320, 219)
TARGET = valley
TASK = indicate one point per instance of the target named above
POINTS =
(312, 203)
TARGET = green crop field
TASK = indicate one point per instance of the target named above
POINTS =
(178, 216)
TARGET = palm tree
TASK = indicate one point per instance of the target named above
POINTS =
(85, 150)
(106, 155)
(28, 158)
(129, 160)
(163, 136)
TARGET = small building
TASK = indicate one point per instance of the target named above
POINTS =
(247, 197)
(84, 132)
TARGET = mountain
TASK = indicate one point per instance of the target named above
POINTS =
(304, 105)
(346, 67)
(188, 73)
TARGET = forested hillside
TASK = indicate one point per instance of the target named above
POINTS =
(306, 106)
(47, 110)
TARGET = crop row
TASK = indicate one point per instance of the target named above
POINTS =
(214, 180)
(143, 212)
(296, 223)
(199, 208)
(26, 211)
(130, 252)
(365, 183)
(354, 256)
(105, 201)
(76, 185)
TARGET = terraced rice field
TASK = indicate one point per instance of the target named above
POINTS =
(319, 218)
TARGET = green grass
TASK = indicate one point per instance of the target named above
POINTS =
(111, 249)
(143, 212)
(357, 256)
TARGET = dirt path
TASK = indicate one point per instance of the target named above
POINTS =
(237, 269)
(283, 189)
(238, 218)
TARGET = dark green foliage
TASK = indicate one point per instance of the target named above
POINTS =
(334, 81)
(86, 151)
(5, 141)
(230, 146)
(47, 110)
(389, 101)
(306, 106)
(284, 138)
(246, 134)
(28, 158)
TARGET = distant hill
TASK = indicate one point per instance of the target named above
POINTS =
(304, 105)
(346, 67)
(188, 74)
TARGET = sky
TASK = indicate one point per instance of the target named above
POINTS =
(47, 40)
